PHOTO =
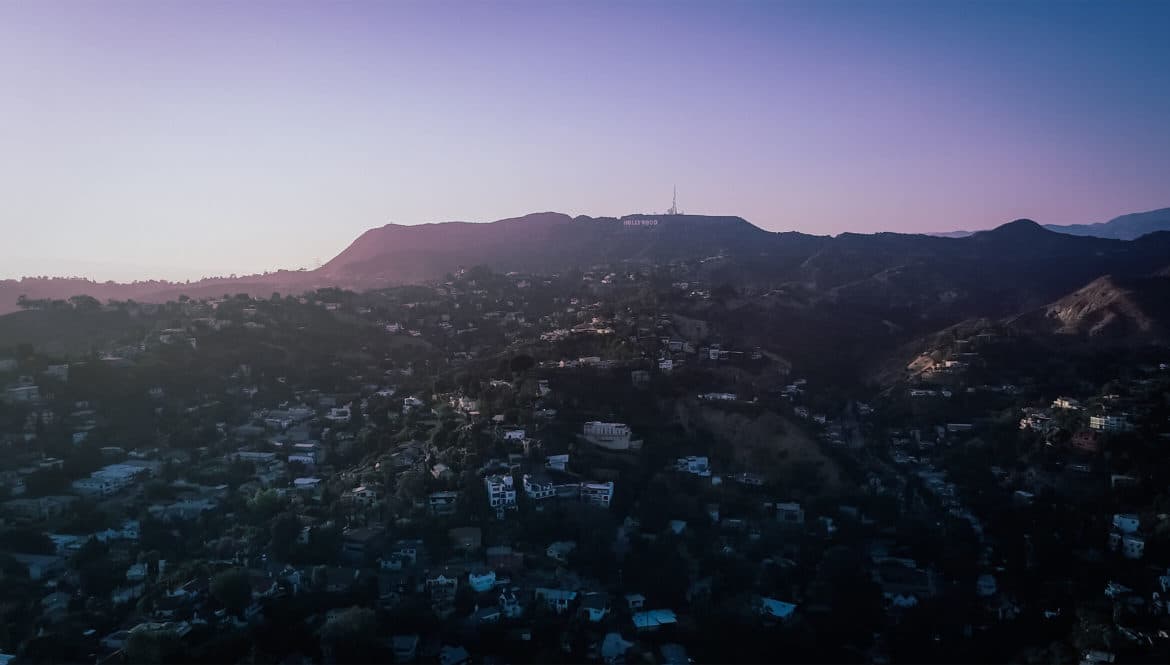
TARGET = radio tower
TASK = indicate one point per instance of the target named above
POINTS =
(674, 203)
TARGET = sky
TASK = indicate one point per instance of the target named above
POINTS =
(182, 139)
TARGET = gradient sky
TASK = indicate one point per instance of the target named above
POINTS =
(181, 139)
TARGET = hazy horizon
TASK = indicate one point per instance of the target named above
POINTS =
(176, 141)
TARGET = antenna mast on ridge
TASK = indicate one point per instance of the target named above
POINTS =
(674, 203)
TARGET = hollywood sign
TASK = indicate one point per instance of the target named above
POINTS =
(640, 222)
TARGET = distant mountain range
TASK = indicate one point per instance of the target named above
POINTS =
(1011, 269)
(1126, 227)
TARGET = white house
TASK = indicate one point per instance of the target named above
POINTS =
(611, 436)
(538, 491)
(501, 493)
(1110, 423)
(108, 480)
(598, 494)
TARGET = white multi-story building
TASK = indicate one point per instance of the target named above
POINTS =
(108, 480)
(612, 436)
(501, 493)
(538, 491)
(1110, 423)
(598, 494)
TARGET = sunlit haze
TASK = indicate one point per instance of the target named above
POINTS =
(159, 140)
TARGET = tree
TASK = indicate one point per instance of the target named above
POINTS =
(265, 504)
(232, 589)
(153, 645)
(351, 636)
(285, 529)
(521, 363)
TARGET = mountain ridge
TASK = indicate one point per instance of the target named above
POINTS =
(546, 242)
(1125, 227)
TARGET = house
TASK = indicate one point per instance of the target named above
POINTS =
(771, 608)
(108, 480)
(137, 572)
(35, 510)
(404, 647)
(557, 462)
(594, 607)
(985, 585)
(699, 466)
(501, 493)
(40, 566)
(652, 620)
(674, 654)
(614, 648)
(487, 614)
(509, 604)
(441, 585)
(635, 601)
(1126, 522)
(611, 436)
(560, 550)
(442, 503)
(449, 655)
(514, 435)
(597, 494)
(310, 454)
(22, 394)
(1110, 423)
(1133, 547)
(538, 491)
(482, 580)
(901, 582)
(362, 496)
(790, 514)
(557, 600)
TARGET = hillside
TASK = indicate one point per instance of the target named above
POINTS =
(1107, 309)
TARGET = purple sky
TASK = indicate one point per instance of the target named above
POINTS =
(176, 140)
